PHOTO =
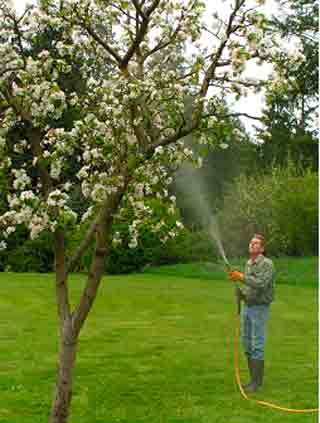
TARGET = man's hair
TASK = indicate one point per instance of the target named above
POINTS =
(260, 237)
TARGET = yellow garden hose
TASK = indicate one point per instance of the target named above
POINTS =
(245, 396)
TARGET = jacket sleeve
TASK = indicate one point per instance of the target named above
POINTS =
(261, 277)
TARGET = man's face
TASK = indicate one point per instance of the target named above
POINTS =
(255, 247)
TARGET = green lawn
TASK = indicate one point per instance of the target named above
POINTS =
(292, 271)
(156, 349)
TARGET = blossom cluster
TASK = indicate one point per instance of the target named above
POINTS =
(152, 180)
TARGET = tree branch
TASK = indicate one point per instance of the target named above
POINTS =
(182, 132)
(35, 140)
(212, 68)
(27, 9)
(14, 69)
(16, 107)
(228, 62)
(209, 75)
(240, 82)
(95, 36)
(61, 277)
(19, 37)
(205, 28)
(123, 12)
(83, 246)
(140, 33)
(103, 234)
(187, 75)
(100, 41)
(259, 118)
(138, 9)
(161, 45)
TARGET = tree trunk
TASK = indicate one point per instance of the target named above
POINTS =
(68, 340)
(63, 389)
(72, 322)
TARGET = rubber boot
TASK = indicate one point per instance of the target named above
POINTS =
(250, 372)
(257, 368)
(260, 372)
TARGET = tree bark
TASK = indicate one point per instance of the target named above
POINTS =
(63, 390)
(68, 342)
(103, 244)
(72, 322)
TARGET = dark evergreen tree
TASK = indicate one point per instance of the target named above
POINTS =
(291, 112)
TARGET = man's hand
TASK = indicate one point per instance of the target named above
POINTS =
(239, 294)
(236, 276)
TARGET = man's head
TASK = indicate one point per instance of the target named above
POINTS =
(256, 245)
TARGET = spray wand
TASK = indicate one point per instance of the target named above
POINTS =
(228, 269)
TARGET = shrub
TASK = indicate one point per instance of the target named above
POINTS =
(29, 256)
(186, 247)
(282, 205)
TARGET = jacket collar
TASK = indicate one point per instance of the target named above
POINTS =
(258, 259)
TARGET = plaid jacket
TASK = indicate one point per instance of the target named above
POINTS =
(258, 281)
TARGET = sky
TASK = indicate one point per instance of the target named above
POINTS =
(253, 104)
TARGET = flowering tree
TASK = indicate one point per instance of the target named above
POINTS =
(92, 95)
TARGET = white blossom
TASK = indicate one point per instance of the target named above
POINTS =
(99, 193)
(27, 195)
(224, 145)
(133, 243)
(158, 150)
(116, 240)
(21, 179)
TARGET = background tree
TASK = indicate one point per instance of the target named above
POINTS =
(282, 203)
(113, 132)
(292, 99)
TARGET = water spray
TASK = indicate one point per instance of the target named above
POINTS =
(215, 235)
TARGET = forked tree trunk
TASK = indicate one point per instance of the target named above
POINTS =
(72, 322)
(69, 334)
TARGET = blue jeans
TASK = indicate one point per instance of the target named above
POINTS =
(253, 329)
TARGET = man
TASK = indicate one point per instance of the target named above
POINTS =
(256, 289)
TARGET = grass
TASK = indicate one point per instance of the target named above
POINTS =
(292, 271)
(155, 349)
